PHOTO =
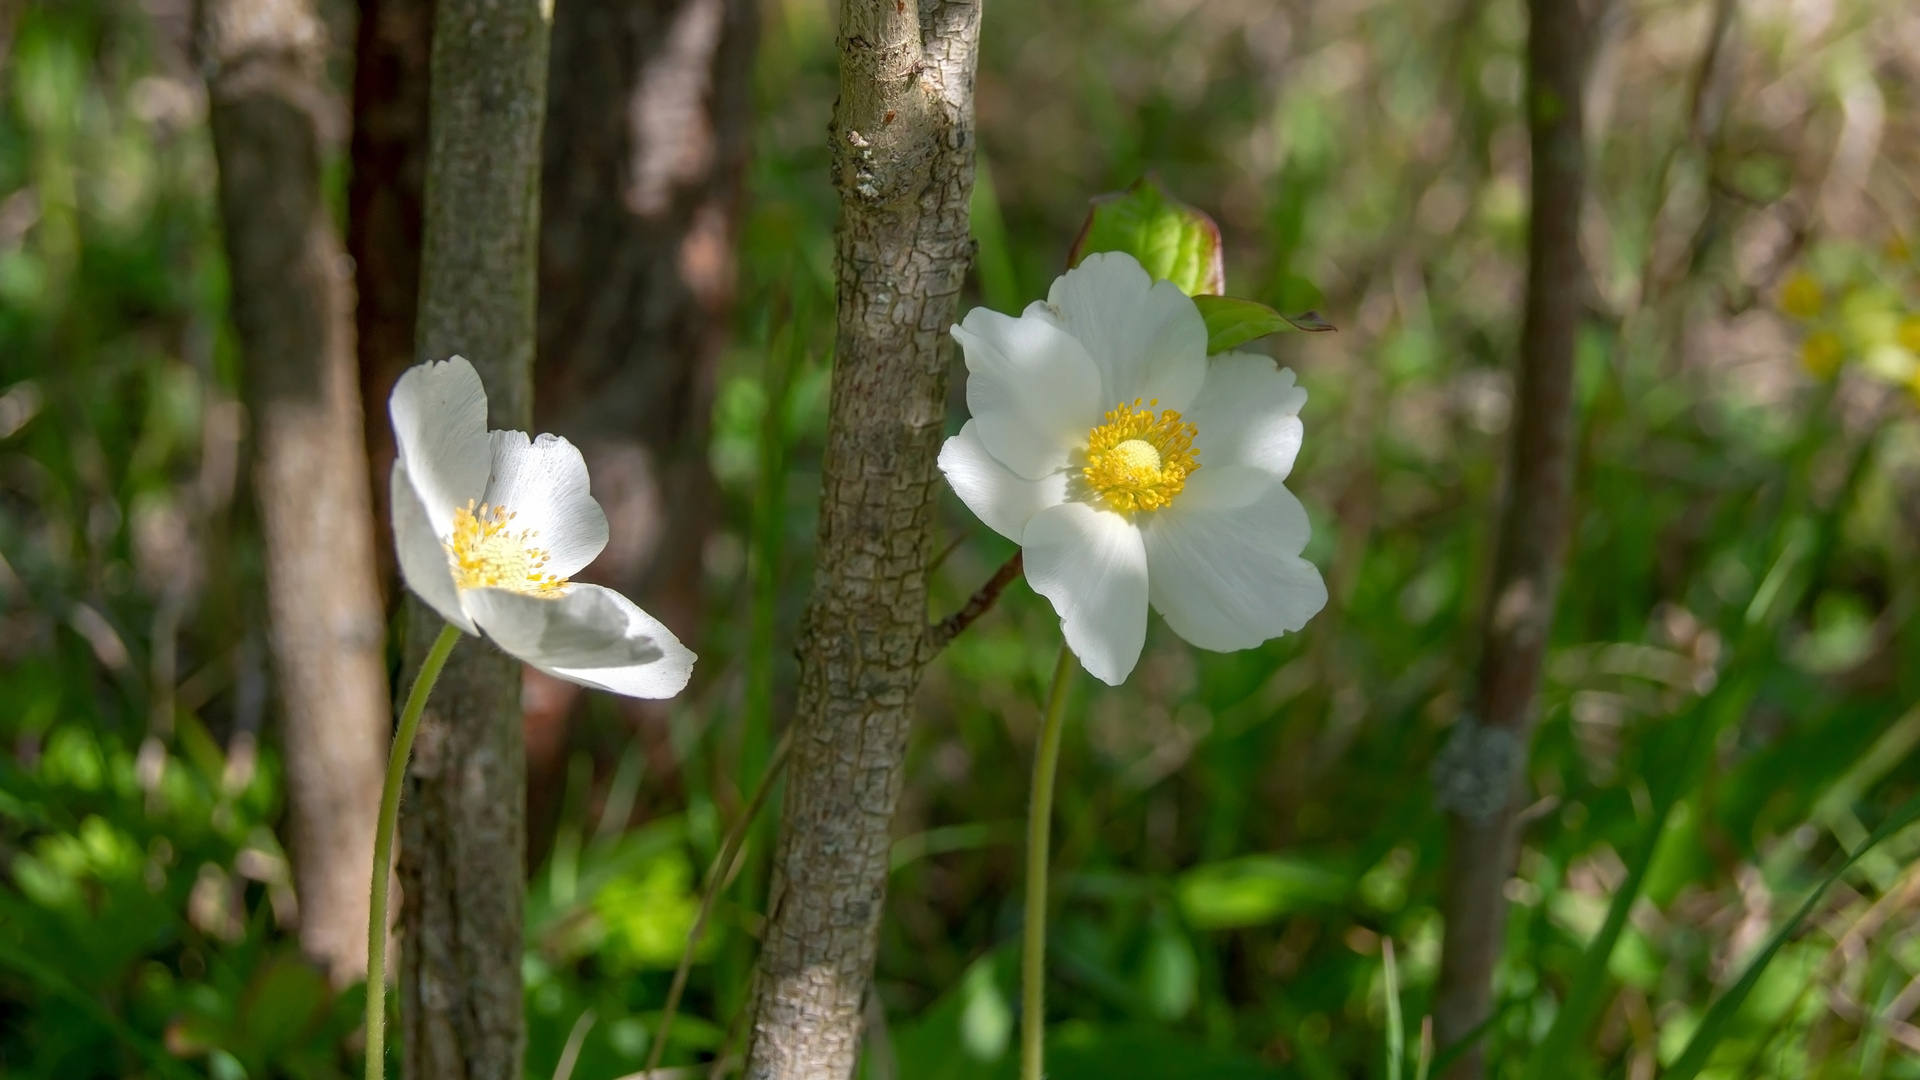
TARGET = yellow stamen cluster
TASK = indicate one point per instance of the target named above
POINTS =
(1139, 460)
(486, 555)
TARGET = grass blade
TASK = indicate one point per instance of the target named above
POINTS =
(1589, 987)
(1713, 1027)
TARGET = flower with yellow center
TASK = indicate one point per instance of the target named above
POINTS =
(490, 527)
(1137, 460)
(1093, 413)
(488, 554)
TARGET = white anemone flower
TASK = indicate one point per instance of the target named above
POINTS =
(490, 525)
(1133, 469)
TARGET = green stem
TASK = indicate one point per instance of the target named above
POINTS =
(383, 847)
(1033, 944)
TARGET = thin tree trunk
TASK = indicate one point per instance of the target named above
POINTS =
(1479, 775)
(386, 209)
(464, 833)
(903, 148)
(646, 145)
(273, 120)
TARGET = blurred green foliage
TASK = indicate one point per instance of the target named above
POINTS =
(1238, 833)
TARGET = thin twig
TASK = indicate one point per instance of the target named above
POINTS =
(940, 634)
(718, 874)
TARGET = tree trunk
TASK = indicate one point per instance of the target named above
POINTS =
(386, 206)
(646, 144)
(1478, 776)
(464, 833)
(903, 148)
(273, 119)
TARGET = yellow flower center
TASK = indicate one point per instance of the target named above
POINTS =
(487, 555)
(1139, 460)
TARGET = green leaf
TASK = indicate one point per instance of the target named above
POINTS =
(967, 1033)
(1720, 1015)
(1253, 890)
(986, 1020)
(1233, 322)
(1172, 240)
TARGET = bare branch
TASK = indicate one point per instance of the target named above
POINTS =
(942, 633)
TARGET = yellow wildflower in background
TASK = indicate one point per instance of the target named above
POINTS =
(1821, 353)
(1802, 297)
(1909, 334)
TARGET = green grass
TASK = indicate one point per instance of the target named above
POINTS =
(1728, 710)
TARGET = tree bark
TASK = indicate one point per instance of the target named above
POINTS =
(273, 119)
(1479, 775)
(646, 145)
(464, 835)
(649, 106)
(903, 147)
(386, 210)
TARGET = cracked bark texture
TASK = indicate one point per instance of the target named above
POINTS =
(647, 136)
(1532, 540)
(903, 152)
(463, 833)
(274, 120)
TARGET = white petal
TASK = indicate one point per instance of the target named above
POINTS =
(543, 483)
(1224, 560)
(589, 635)
(1092, 565)
(1031, 387)
(439, 415)
(995, 494)
(1248, 413)
(1145, 336)
(423, 558)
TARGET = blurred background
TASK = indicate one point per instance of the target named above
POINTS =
(1240, 836)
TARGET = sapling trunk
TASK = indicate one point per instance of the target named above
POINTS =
(903, 150)
(1479, 776)
(464, 833)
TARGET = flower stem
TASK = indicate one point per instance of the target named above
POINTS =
(1033, 943)
(383, 847)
